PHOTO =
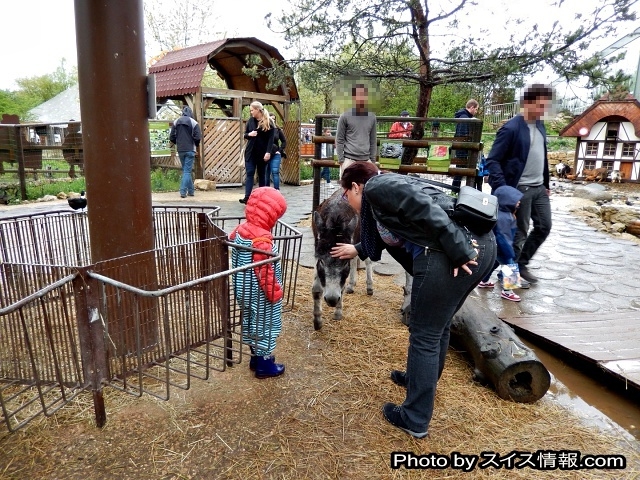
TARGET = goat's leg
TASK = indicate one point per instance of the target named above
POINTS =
(368, 265)
(353, 275)
(405, 310)
(317, 291)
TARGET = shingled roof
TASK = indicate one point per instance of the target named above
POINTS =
(180, 72)
(628, 109)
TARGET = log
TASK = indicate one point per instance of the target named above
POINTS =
(499, 355)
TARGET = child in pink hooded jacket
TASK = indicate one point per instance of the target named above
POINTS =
(258, 290)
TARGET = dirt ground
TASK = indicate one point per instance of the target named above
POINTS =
(321, 420)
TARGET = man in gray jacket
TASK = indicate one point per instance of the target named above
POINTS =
(185, 134)
(356, 133)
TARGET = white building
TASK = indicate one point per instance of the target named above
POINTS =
(608, 134)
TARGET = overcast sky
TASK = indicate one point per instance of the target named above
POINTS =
(37, 34)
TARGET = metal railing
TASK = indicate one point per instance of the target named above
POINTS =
(444, 147)
(143, 323)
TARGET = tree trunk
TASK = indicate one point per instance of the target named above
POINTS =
(421, 39)
(499, 356)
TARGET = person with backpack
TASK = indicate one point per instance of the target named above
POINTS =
(408, 219)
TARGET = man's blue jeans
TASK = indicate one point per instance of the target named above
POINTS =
(326, 174)
(435, 297)
(186, 185)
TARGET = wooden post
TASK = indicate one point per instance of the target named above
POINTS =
(115, 131)
(500, 357)
(20, 157)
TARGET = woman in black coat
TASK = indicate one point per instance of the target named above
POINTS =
(259, 134)
(446, 261)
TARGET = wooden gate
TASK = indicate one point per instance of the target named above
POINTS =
(290, 166)
(223, 143)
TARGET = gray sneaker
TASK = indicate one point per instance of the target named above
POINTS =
(391, 413)
(524, 285)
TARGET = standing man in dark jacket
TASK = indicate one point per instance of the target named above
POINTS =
(186, 135)
(462, 130)
(518, 158)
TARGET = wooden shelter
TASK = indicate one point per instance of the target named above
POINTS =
(179, 76)
(608, 135)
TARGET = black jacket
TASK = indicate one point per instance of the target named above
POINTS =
(279, 143)
(415, 211)
(185, 132)
(260, 144)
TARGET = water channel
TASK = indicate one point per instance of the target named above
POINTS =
(610, 408)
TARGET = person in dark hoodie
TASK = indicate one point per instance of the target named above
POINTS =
(505, 231)
(186, 135)
(462, 130)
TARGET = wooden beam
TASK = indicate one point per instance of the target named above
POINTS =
(279, 110)
(244, 94)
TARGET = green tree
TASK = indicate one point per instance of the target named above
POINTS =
(10, 104)
(39, 89)
(406, 29)
(32, 91)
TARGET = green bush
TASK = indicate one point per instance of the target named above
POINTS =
(561, 144)
(306, 171)
(161, 181)
(165, 180)
(38, 189)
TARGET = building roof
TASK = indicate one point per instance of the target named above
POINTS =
(180, 72)
(628, 109)
(59, 109)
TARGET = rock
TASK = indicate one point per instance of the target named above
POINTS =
(73, 195)
(47, 198)
(623, 215)
(204, 185)
(61, 196)
(592, 210)
(594, 192)
(617, 227)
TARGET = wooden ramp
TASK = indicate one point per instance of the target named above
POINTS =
(610, 340)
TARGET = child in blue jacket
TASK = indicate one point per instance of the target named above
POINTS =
(505, 230)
